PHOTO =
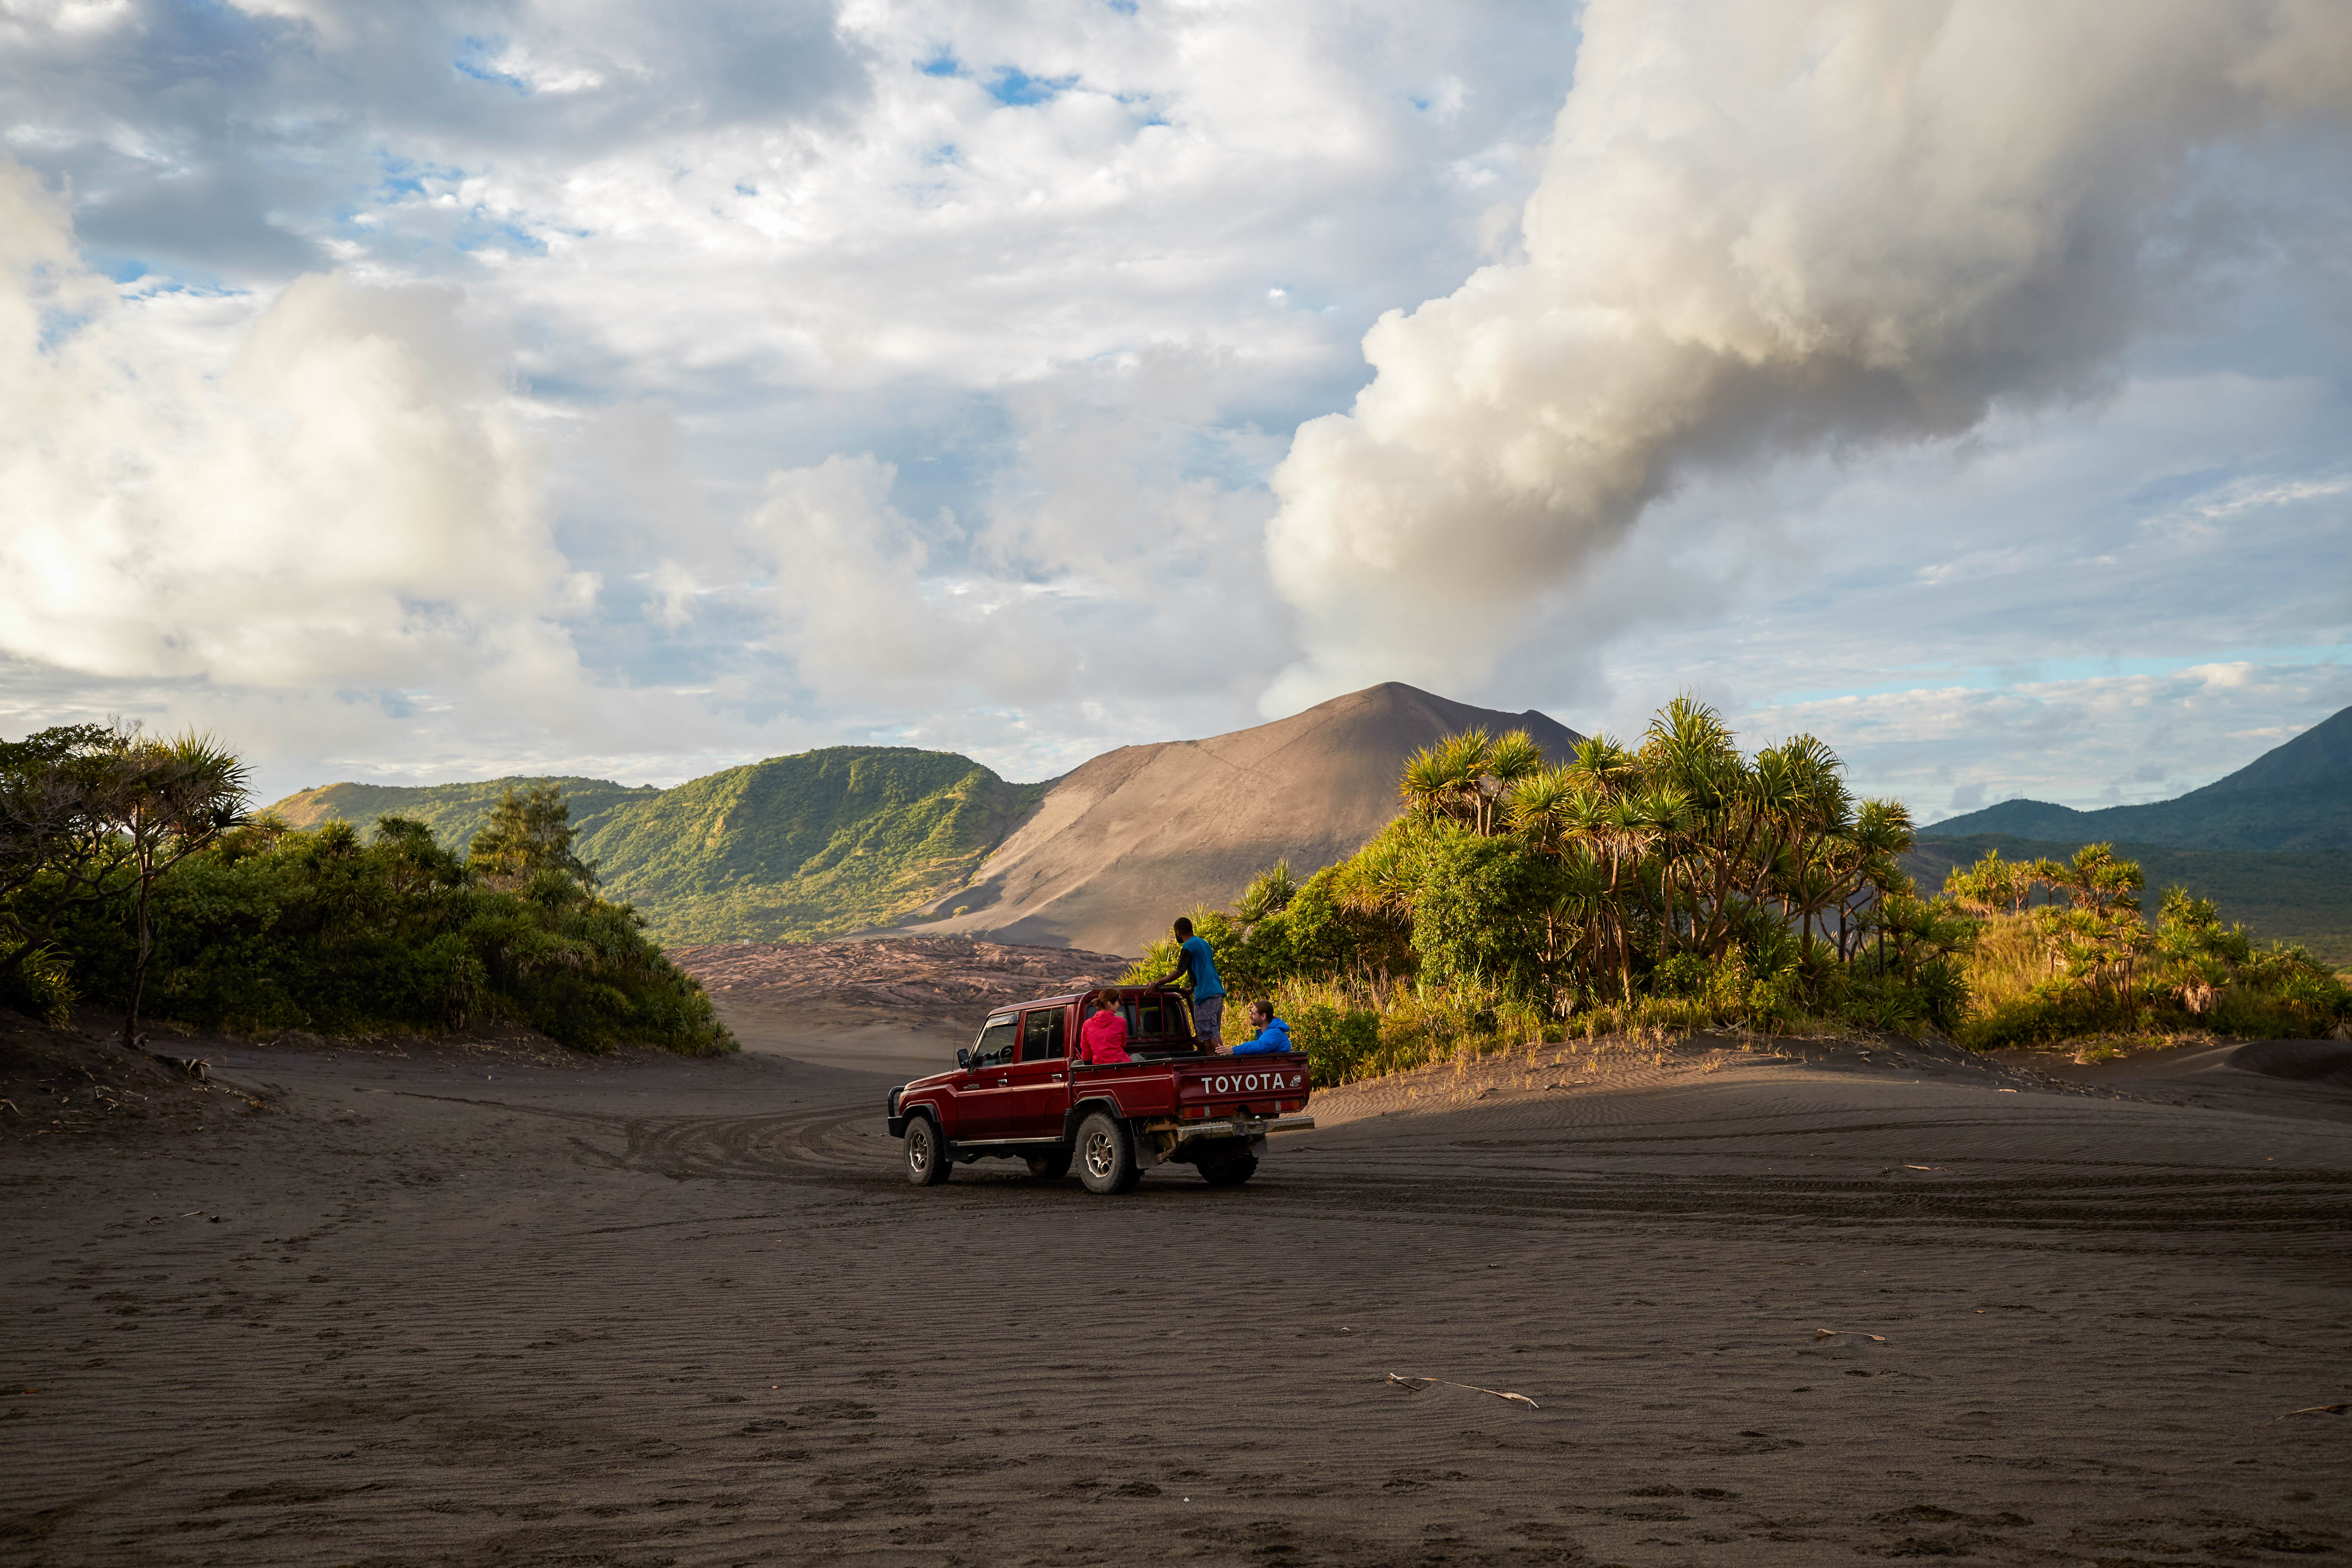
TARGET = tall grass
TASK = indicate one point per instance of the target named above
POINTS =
(2008, 959)
(1356, 1027)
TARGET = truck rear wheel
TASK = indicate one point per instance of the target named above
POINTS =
(1227, 1170)
(927, 1153)
(1050, 1167)
(1107, 1154)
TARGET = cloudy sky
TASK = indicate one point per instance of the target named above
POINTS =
(443, 389)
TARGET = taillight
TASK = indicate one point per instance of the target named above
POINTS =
(1294, 1104)
(1196, 1111)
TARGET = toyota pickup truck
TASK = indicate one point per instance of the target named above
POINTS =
(1018, 1093)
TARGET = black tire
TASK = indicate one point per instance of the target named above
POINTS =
(928, 1162)
(1106, 1154)
(1050, 1167)
(1227, 1170)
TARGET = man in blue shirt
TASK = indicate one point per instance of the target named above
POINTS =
(1199, 966)
(1273, 1034)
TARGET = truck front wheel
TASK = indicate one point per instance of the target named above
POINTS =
(1107, 1154)
(927, 1153)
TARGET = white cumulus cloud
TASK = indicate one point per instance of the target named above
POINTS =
(349, 501)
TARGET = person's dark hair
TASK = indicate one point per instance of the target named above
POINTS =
(1262, 1005)
(1183, 926)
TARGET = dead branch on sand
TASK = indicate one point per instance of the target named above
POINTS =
(1415, 1384)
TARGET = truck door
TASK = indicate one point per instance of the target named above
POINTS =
(983, 1091)
(1040, 1091)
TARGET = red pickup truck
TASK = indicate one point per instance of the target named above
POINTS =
(1018, 1093)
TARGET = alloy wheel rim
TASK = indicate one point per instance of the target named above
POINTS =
(1099, 1154)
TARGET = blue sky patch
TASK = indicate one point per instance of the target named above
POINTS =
(1016, 89)
(474, 57)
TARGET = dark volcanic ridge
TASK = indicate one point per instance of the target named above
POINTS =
(2294, 797)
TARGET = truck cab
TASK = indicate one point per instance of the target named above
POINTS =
(1019, 1092)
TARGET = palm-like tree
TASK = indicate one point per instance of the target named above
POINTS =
(1538, 806)
(1269, 893)
(1379, 880)
(1424, 783)
(181, 796)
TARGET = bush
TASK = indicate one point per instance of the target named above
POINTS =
(2035, 982)
(277, 929)
(1341, 1043)
(1479, 916)
(42, 986)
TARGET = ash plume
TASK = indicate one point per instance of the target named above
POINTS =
(1769, 227)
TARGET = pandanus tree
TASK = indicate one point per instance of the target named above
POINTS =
(1269, 893)
(177, 798)
(2102, 933)
(1463, 778)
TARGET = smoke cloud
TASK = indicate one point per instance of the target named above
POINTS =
(1768, 228)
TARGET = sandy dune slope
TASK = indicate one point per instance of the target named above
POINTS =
(438, 1306)
(1141, 835)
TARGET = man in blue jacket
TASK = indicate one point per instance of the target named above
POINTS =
(1273, 1034)
(1194, 961)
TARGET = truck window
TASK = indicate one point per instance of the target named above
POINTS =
(998, 1038)
(1040, 1035)
(1159, 1018)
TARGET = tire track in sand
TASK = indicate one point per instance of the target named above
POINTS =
(1580, 1176)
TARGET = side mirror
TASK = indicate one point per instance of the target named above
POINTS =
(963, 1059)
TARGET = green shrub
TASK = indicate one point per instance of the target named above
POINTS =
(1341, 1044)
(277, 929)
(41, 985)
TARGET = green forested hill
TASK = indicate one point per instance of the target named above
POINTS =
(806, 846)
(2290, 897)
(791, 848)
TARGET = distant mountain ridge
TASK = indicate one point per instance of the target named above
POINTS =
(2294, 797)
(869, 837)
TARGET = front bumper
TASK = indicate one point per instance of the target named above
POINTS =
(897, 1122)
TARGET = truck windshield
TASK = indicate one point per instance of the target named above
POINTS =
(997, 1041)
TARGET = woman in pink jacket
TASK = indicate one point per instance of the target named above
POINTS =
(1102, 1038)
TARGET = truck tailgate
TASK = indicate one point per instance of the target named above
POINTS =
(1222, 1086)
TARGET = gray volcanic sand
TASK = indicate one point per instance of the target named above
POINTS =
(641, 1311)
